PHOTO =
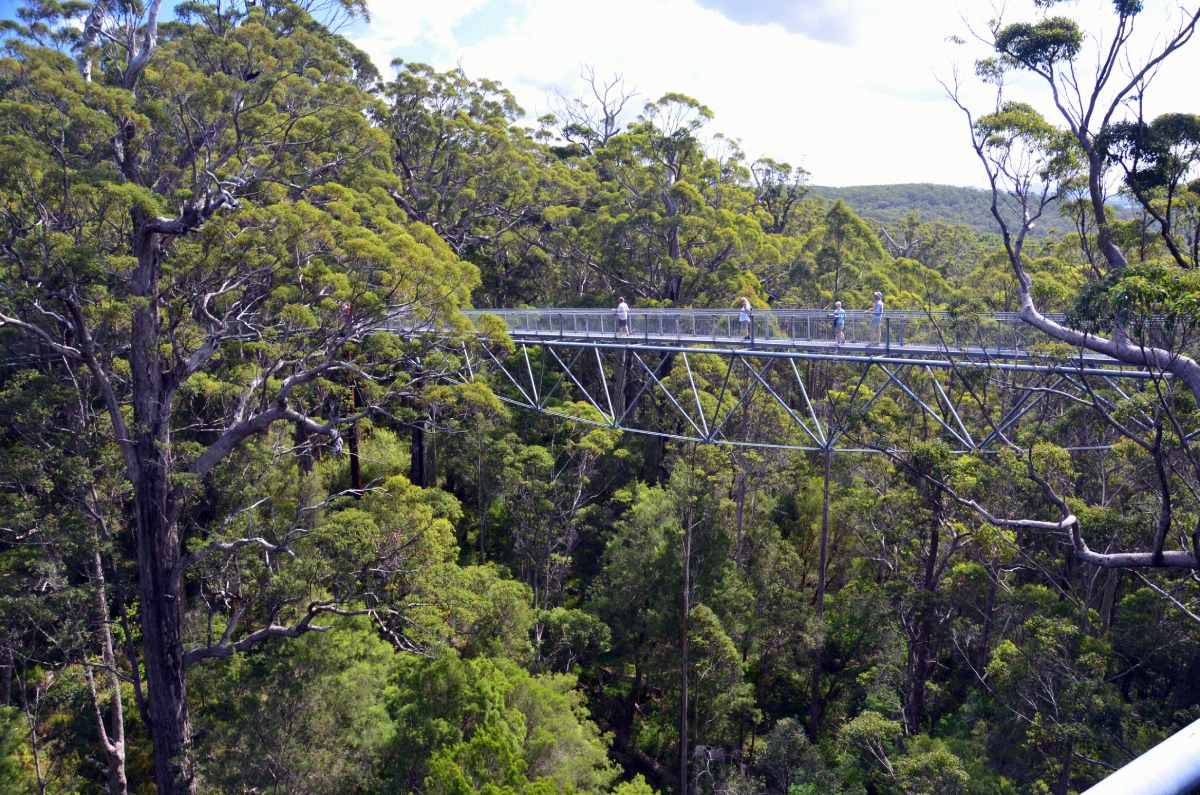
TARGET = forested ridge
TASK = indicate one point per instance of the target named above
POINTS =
(249, 542)
(971, 207)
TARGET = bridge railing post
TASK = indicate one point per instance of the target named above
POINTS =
(887, 335)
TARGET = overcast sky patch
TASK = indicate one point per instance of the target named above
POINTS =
(823, 20)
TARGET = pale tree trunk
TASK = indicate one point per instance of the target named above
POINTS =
(112, 737)
(31, 721)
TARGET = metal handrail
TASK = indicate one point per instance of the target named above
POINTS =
(906, 332)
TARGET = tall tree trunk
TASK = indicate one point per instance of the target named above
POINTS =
(162, 631)
(112, 736)
(683, 644)
(740, 517)
(416, 465)
(158, 537)
(355, 466)
(300, 440)
(620, 384)
(989, 610)
(654, 451)
(815, 700)
(6, 679)
(1108, 606)
(481, 540)
(1063, 785)
(31, 723)
(422, 469)
(623, 730)
(919, 650)
(823, 549)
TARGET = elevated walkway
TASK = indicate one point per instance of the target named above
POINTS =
(995, 341)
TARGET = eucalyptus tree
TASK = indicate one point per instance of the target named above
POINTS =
(200, 215)
(461, 162)
(845, 246)
(669, 223)
(778, 188)
(589, 122)
(1138, 312)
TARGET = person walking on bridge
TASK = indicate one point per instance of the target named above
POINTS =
(877, 317)
(838, 316)
(744, 317)
(622, 317)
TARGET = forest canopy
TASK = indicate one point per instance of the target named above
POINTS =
(252, 540)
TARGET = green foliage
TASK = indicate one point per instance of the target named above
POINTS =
(1040, 45)
(929, 767)
(790, 761)
(305, 716)
(637, 786)
(467, 725)
(15, 777)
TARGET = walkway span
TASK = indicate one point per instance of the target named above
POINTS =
(942, 338)
(784, 380)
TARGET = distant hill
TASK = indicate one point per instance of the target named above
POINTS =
(968, 206)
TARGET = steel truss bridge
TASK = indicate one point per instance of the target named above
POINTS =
(784, 380)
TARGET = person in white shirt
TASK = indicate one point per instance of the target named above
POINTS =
(744, 316)
(622, 317)
(877, 317)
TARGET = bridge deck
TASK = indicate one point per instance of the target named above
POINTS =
(850, 349)
(1000, 337)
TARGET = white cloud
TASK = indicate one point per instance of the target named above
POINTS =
(871, 112)
(397, 28)
(834, 21)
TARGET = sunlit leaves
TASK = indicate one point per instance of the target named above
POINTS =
(1040, 45)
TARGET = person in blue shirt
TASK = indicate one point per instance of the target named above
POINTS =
(839, 322)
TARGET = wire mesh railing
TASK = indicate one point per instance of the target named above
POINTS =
(1001, 334)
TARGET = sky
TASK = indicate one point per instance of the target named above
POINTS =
(847, 89)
